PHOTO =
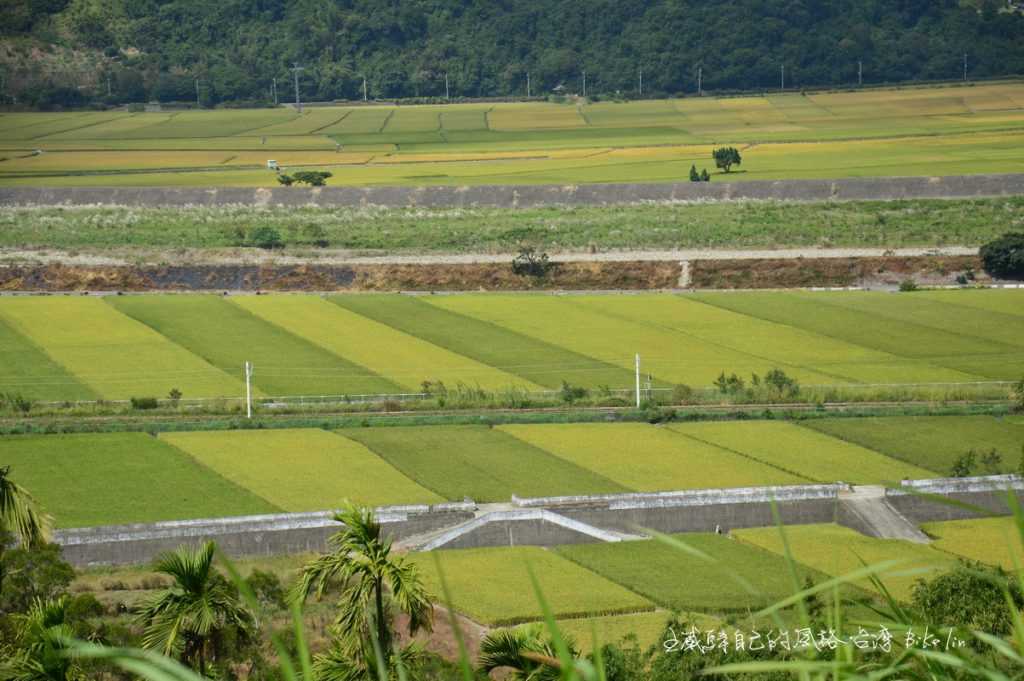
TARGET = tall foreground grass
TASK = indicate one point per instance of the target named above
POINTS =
(983, 656)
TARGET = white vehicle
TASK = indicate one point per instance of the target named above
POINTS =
(272, 165)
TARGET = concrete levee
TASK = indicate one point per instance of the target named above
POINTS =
(923, 500)
(524, 196)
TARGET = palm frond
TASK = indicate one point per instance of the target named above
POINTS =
(20, 514)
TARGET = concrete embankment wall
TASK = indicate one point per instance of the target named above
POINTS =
(538, 521)
(523, 196)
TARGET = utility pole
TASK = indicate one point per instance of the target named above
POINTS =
(109, 91)
(296, 69)
(641, 82)
(584, 83)
(965, 67)
(860, 72)
(364, 88)
(700, 81)
(783, 77)
(638, 380)
(446, 93)
(527, 84)
(248, 390)
(197, 92)
(273, 88)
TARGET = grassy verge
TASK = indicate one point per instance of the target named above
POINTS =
(884, 224)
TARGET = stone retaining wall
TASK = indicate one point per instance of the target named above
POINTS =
(524, 196)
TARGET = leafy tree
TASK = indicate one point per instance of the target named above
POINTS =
(32, 574)
(314, 178)
(527, 650)
(286, 180)
(727, 157)
(374, 583)
(190, 618)
(705, 176)
(1004, 257)
(267, 238)
(20, 516)
(694, 175)
(780, 383)
(531, 263)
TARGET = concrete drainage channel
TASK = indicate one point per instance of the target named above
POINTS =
(875, 511)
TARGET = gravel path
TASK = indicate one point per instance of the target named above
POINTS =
(327, 257)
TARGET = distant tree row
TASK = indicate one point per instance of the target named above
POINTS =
(156, 49)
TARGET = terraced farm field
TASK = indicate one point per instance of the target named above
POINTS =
(838, 551)
(932, 442)
(910, 131)
(507, 595)
(108, 479)
(309, 469)
(995, 541)
(136, 346)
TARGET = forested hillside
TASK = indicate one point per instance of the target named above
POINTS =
(61, 51)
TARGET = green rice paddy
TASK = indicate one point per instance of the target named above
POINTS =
(910, 131)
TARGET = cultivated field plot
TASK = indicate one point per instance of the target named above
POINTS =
(392, 354)
(803, 452)
(110, 353)
(301, 345)
(995, 541)
(932, 442)
(111, 479)
(493, 587)
(302, 470)
(839, 551)
(650, 459)
(949, 354)
(732, 577)
(910, 131)
(647, 628)
(227, 336)
(481, 463)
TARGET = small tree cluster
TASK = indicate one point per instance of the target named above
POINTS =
(1004, 257)
(314, 178)
(727, 157)
(531, 263)
(965, 464)
(703, 176)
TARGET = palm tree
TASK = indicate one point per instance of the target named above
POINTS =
(20, 516)
(188, 618)
(374, 584)
(42, 634)
(527, 650)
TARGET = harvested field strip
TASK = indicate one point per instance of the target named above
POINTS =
(586, 330)
(931, 442)
(680, 581)
(112, 354)
(649, 458)
(302, 469)
(762, 345)
(493, 587)
(803, 452)
(481, 463)
(995, 541)
(838, 551)
(543, 363)
(284, 364)
(1008, 302)
(106, 479)
(941, 349)
(983, 325)
(25, 369)
(396, 356)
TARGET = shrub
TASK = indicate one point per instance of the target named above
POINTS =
(286, 180)
(1004, 257)
(266, 586)
(705, 176)
(16, 402)
(682, 393)
(908, 285)
(964, 465)
(267, 238)
(530, 263)
(174, 396)
(729, 385)
(1018, 396)
(972, 596)
(144, 403)
(779, 382)
(694, 175)
(570, 393)
(316, 235)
